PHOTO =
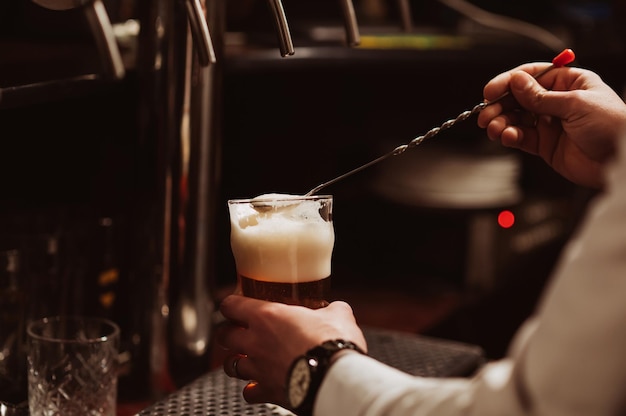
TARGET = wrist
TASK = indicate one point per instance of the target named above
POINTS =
(307, 373)
(335, 357)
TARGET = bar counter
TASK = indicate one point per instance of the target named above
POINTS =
(217, 394)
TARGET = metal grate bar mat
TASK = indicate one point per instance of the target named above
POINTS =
(216, 394)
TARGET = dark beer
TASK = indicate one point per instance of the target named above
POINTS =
(313, 294)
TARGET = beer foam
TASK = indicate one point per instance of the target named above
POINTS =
(289, 244)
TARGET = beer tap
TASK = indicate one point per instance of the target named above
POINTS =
(284, 36)
(180, 67)
(200, 32)
(405, 15)
(192, 195)
(353, 36)
(102, 30)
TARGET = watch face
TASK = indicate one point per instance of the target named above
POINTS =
(299, 382)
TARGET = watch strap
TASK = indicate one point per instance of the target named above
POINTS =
(322, 355)
(327, 349)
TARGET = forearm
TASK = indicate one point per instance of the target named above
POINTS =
(568, 360)
(576, 361)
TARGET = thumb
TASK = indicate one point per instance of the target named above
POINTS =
(535, 98)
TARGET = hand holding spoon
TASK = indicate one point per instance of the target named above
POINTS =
(566, 57)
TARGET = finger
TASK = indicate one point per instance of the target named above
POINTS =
(517, 118)
(500, 84)
(338, 306)
(549, 129)
(520, 137)
(255, 392)
(236, 366)
(512, 136)
(497, 126)
(487, 114)
(231, 337)
(240, 308)
(347, 326)
(231, 365)
(534, 97)
(523, 119)
(532, 134)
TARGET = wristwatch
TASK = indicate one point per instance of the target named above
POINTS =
(307, 372)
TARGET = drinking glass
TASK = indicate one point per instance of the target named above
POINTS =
(282, 245)
(72, 366)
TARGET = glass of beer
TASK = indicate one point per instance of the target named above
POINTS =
(282, 245)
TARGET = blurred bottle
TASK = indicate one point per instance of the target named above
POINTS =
(47, 280)
(104, 275)
(13, 388)
(105, 286)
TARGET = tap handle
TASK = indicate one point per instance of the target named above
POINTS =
(105, 38)
(353, 36)
(200, 32)
(284, 36)
(405, 14)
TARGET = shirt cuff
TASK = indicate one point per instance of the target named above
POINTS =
(357, 384)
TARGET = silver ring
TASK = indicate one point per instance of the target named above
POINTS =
(235, 364)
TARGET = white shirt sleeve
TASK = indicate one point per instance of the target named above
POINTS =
(568, 359)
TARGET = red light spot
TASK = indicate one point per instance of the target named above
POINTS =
(506, 219)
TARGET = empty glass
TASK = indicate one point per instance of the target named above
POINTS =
(72, 366)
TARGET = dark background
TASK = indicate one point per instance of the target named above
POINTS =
(72, 154)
